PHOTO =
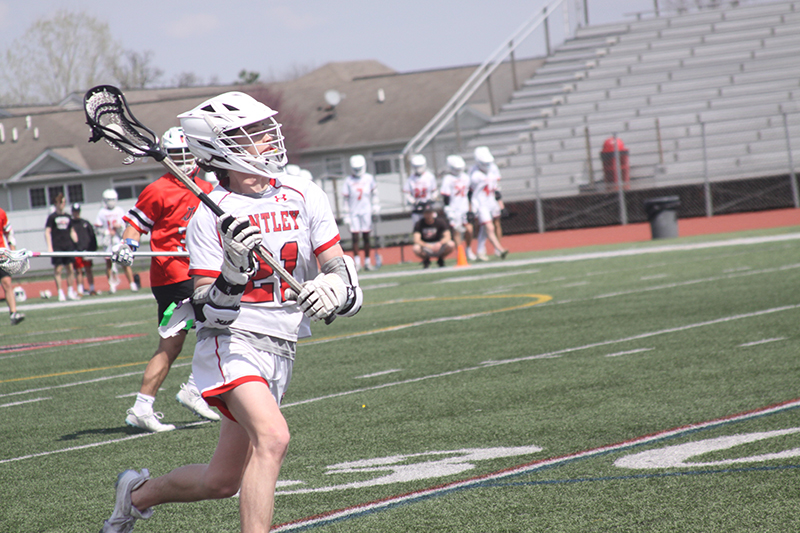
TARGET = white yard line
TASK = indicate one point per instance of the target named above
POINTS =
(762, 341)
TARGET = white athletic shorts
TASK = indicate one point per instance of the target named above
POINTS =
(360, 223)
(222, 363)
(487, 214)
(458, 220)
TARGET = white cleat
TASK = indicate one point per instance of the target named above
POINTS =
(16, 318)
(134, 287)
(125, 514)
(191, 399)
(471, 255)
(149, 422)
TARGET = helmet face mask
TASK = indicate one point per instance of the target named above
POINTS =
(418, 164)
(174, 142)
(110, 198)
(236, 132)
(358, 164)
(455, 164)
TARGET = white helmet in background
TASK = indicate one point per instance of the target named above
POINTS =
(483, 157)
(19, 294)
(418, 164)
(455, 164)
(358, 164)
(293, 170)
(174, 142)
(228, 132)
(110, 198)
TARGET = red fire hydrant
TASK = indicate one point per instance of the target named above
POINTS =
(610, 163)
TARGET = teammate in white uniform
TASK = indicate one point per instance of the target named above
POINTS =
(360, 203)
(109, 227)
(484, 177)
(248, 319)
(455, 195)
(419, 187)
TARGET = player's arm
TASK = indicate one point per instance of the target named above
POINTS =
(217, 300)
(48, 238)
(122, 252)
(334, 291)
(8, 232)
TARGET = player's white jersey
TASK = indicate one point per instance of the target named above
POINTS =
(420, 187)
(358, 191)
(109, 226)
(484, 185)
(456, 187)
(296, 223)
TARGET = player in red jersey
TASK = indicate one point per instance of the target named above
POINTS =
(7, 241)
(163, 210)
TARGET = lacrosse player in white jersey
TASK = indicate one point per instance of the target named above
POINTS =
(109, 227)
(420, 187)
(360, 203)
(455, 196)
(484, 177)
(248, 319)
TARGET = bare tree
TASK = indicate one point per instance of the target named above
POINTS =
(58, 55)
(134, 70)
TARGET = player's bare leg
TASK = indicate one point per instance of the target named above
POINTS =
(258, 413)
(158, 367)
(220, 478)
(367, 250)
(57, 278)
(9, 291)
(90, 279)
(492, 236)
(356, 250)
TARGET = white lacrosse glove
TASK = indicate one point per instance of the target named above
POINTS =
(239, 240)
(321, 297)
(122, 253)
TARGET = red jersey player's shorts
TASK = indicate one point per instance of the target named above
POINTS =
(80, 262)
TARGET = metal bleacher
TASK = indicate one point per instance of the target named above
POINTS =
(730, 71)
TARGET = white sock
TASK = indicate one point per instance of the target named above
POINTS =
(190, 384)
(143, 405)
(482, 241)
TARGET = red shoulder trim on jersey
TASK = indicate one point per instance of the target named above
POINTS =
(327, 245)
(204, 273)
(295, 190)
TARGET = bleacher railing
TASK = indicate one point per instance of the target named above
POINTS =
(476, 80)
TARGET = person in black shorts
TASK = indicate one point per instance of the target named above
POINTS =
(85, 240)
(432, 236)
(58, 238)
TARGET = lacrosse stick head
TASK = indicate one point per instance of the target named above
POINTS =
(14, 261)
(110, 119)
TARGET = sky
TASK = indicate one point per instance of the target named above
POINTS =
(215, 40)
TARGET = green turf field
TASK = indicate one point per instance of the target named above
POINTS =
(646, 387)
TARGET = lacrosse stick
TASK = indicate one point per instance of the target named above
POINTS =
(18, 261)
(110, 119)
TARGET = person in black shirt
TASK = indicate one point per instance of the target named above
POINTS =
(82, 233)
(432, 237)
(57, 236)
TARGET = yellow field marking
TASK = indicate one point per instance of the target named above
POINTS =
(537, 299)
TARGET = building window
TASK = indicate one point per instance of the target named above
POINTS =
(37, 197)
(334, 166)
(75, 193)
(52, 192)
(130, 188)
(386, 162)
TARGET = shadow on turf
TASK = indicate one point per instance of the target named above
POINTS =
(122, 430)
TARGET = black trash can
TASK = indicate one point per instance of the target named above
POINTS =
(663, 216)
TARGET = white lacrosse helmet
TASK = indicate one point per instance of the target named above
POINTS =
(174, 142)
(293, 170)
(19, 294)
(358, 164)
(455, 164)
(418, 163)
(228, 131)
(483, 157)
(110, 198)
